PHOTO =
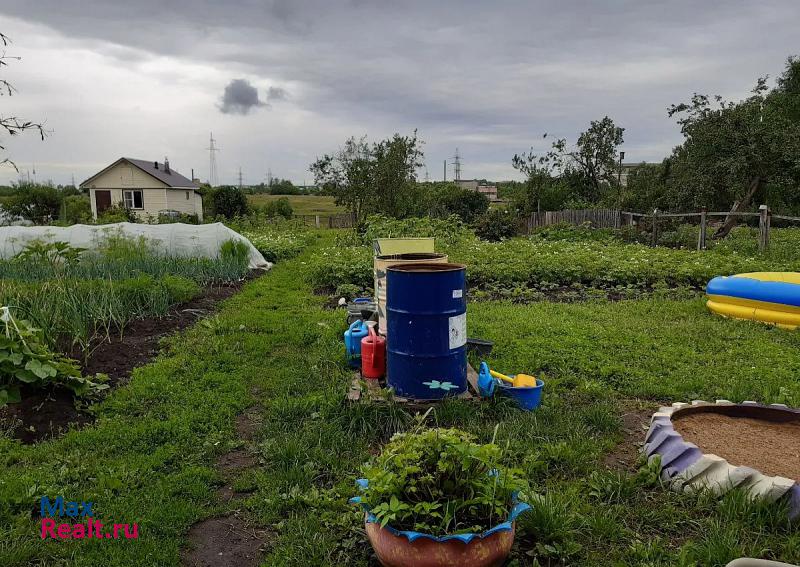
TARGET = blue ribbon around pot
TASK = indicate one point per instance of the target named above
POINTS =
(517, 509)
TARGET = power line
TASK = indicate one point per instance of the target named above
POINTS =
(213, 179)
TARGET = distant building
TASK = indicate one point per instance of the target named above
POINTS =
(470, 184)
(147, 188)
(488, 190)
(474, 185)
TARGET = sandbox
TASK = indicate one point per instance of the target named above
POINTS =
(720, 446)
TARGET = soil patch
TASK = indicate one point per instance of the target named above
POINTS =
(140, 341)
(224, 542)
(635, 421)
(770, 447)
(44, 414)
(233, 463)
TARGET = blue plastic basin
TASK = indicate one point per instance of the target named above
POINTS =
(526, 398)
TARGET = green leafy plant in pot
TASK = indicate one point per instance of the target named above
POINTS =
(437, 497)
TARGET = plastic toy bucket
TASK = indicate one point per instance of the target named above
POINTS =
(527, 398)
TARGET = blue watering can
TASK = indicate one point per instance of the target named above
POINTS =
(352, 342)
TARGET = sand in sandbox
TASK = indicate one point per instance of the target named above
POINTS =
(770, 447)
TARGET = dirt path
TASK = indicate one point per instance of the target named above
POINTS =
(635, 421)
(230, 540)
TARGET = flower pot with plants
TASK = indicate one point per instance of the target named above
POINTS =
(437, 497)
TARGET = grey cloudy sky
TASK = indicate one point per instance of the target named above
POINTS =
(280, 82)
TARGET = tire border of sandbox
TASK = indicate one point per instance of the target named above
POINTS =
(687, 469)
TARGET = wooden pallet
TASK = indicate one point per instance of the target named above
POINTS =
(375, 391)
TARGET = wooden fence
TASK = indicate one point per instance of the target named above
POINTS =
(598, 218)
(326, 221)
(612, 218)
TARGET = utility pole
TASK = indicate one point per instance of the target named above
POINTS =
(240, 177)
(619, 180)
(444, 178)
(213, 180)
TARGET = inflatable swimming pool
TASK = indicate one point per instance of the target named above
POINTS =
(769, 297)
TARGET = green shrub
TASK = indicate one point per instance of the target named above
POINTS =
(496, 224)
(115, 214)
(440, 481)
(26, 360)
(37, 203)
(446, 230)
(453, 200)
(278, 208)
(229, 202)
(76, 210)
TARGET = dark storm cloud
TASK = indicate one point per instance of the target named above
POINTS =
(240, 97)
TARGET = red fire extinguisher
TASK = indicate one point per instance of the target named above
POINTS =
(373, 355)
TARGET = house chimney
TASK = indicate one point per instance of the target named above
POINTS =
(155, 164)
(166, 165)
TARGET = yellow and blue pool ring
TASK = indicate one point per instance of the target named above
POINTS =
(768, 297)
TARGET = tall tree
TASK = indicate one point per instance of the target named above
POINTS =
(596, 155)
(376, 178)
(395, 162)
(733, 150)
(538, 170)
(347, 175)
(12, 125)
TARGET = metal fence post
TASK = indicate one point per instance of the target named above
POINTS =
(701, 237)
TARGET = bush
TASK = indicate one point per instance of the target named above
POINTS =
(453, 200)
(37, 203)
(496, 224)
(76, 210)
(229, 202)
(116, 213)
(278, 208)
(283, 187)
(446, 231)
(440, 482)
(26, 360)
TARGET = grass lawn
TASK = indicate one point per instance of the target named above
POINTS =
(150, 456)
(302, 204)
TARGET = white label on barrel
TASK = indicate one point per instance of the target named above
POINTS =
(458, 331)
(458, 293)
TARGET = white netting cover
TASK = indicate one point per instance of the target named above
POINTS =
(185, 240)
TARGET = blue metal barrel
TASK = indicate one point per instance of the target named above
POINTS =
(426, 309)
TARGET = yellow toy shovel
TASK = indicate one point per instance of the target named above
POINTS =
(519, 381)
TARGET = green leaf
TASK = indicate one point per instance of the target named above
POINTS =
(41, 370)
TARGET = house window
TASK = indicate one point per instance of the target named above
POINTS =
(133, 199)
(187, 195)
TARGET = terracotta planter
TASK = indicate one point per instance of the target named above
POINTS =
(398, 551)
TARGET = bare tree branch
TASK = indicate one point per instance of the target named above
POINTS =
(13, 125)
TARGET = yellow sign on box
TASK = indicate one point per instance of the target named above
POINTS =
(387, 246)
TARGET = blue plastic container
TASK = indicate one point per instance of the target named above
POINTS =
(426, 309)
(526, 398)
(352, 342)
